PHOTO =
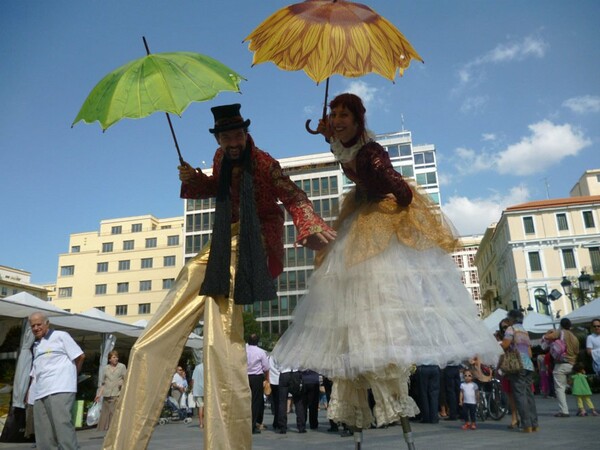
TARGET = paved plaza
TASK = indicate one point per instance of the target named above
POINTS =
(555, 433)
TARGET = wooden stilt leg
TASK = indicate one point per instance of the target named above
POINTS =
(408, 437)
(358, 438)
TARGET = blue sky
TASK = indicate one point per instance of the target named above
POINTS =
(509, 94)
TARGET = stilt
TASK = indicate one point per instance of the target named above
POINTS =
(408, 437)
(358, 437)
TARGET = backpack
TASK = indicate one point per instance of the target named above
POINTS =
(558, 349)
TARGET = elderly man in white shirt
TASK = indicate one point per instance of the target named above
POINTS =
(57, 360)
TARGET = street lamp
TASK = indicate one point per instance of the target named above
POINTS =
(586, 285)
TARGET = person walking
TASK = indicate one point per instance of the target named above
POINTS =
(274, 382)
(198, 391)
(258, 372)
(516, 337)
(564, 366)
(250, 187)
(311, 394)
(110, 389)
(57, 360)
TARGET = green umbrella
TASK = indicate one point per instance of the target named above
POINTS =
(166, 82)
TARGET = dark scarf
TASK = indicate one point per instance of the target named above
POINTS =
(253, 282)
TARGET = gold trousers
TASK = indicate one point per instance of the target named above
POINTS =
(154, 357)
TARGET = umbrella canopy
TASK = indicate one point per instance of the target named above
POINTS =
(326, 37)
(166, 82)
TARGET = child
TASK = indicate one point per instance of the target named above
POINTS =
(581, 390)
(469, 396)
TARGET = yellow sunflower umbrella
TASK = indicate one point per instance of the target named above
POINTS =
(326, 37)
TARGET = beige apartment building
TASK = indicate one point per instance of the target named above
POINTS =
(536, 246)
(13, 281)
(124, 269)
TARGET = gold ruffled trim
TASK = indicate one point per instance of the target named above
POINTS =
(421, 225)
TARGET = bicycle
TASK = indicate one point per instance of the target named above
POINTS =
(493, 402)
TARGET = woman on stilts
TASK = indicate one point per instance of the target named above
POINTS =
(386, 294)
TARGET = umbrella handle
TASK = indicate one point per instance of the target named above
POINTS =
(306, 125)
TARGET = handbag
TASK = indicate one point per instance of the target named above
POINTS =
(510, 362)
(191, 401)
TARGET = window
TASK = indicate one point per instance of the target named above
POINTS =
(146, 285)
(535, 264)
(75, 249)
(561, 221)
(595, 258)
(568, 258)
(588, 219)
(102, 267)
(116, 229)
(528, 224)
(122, 288)
(107, 247)
(128, 245)
(172, 240)
(124, 265)
(100, 289)
(65, 292)
(150, 242)
(169, 261)
(100, 308)
(136, 227)
(121, 310)
(144, 308)
(146, 263)
(167, 283)
(426, 178)
(66, 271)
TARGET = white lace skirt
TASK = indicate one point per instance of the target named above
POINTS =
(402, 307)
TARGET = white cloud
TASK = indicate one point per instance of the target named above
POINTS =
(474, 103)
(364, 91)
(488, 137)
(584, 104)
(469, 161)
(529, 47)
(547, 145)
(473, 216)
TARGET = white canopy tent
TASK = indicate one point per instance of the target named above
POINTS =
(537, 323)
(492, 321)
(586, 313)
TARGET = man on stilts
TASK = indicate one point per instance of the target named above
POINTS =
(246, 248)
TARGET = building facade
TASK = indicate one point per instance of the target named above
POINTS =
(464, 258)
(124, 269)
(523, 258)
(13, 281)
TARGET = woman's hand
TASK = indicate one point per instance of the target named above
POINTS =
(324, 128)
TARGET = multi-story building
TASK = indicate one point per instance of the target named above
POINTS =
(125, 268)
(464, 258)
(13, 281)
(524, 258)
(320, 176)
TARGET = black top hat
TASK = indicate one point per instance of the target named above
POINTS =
(228, 117)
